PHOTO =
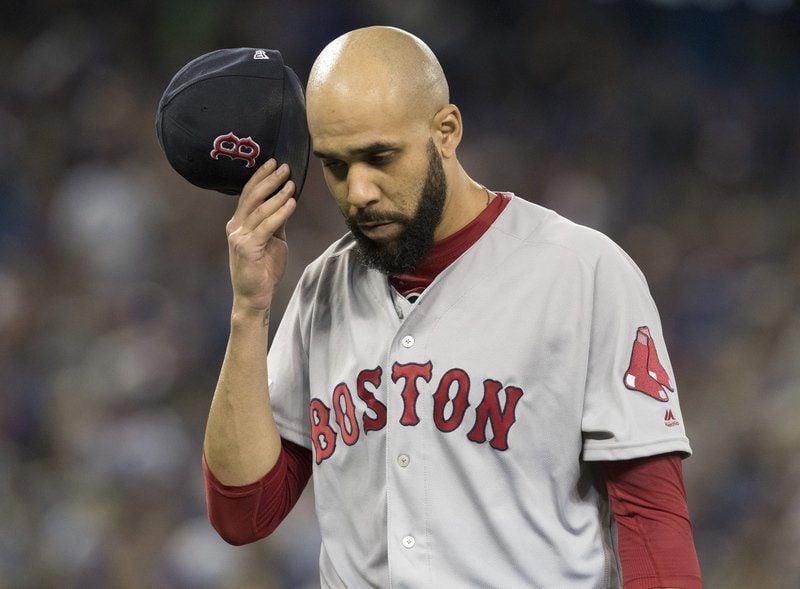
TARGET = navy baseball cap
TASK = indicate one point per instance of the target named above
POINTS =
(227, 112)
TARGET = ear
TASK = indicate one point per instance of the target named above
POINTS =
(446, 130)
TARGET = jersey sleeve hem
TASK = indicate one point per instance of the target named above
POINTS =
(637, 450)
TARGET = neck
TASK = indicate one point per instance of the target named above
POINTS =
(464, 201)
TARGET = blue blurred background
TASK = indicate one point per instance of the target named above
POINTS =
(673, 126)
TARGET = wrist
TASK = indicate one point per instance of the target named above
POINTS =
(246, 315)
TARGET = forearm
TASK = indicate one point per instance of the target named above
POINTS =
(242, 442)
(654, 533)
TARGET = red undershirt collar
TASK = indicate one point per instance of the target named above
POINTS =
(445, 252)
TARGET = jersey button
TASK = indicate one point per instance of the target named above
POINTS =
(408, 341)
(403, 460)
(409, 541)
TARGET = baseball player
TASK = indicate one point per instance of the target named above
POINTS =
(479, 385)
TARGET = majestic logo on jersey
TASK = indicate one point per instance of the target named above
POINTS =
(231, 146)
(450, 403)
(645, 372)
(669, 419)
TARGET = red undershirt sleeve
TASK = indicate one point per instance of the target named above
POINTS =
(656, 546)
(251, 512)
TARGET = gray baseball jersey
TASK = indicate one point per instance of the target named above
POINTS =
(451, 436)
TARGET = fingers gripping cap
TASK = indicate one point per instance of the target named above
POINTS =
(227, 112)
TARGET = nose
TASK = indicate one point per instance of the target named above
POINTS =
(362, 191)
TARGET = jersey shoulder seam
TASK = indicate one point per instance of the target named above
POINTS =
(547, 217)
(546, 242)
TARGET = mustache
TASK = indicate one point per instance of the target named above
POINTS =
(376, 217)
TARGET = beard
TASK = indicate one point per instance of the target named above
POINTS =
(409, 249)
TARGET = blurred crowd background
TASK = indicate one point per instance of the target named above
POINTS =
(673, 126)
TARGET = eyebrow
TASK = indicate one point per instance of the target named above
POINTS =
(370, 149)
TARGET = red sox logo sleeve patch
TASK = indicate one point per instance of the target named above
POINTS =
(645, 372)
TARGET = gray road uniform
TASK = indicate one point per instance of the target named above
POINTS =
(451, 436)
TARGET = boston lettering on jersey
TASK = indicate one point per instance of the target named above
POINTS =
(490, 411)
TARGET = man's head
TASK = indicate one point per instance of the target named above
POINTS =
(381, 122)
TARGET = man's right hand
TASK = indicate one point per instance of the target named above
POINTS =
(257, 238)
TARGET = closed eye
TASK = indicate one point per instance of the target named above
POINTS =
(333, 165)
(379, 160)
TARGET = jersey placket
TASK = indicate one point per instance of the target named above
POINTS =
(407, 409)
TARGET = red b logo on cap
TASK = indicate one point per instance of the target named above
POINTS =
(237, 149)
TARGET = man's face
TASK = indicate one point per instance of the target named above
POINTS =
(388, 180)
(393, 241)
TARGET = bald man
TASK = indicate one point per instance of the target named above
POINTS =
(479, 386)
